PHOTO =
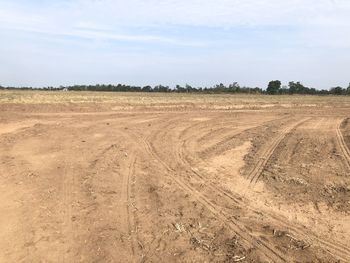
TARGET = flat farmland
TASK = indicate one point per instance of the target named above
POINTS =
(136, 177)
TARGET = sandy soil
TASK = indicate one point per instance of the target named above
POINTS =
(90, 182)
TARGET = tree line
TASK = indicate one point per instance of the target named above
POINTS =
(274, 88)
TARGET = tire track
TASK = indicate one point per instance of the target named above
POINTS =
(21, 126)
(126, 196)
(337, 250)
(67, 202)
(341, 141)
(224, 144)
(242, 232)
(128, 220)
(317, 124)
(333, 248)
(255, 174)
(237, 131)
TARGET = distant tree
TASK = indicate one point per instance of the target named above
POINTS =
(284, 90)
(323, 92)
(136, 88)
(180, 89)
(273, 87)
(220, 88)
(161, 88)
(297, 88)
(234, 87)
(257, 90)
(312, 91)
(189, 88)
(337, 91)
(146, 89)
(207, 90)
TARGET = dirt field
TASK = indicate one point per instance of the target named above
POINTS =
(102, 177)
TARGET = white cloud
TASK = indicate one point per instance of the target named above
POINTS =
(273, 36)
(112, 20)
(208, 13)
(220, 13)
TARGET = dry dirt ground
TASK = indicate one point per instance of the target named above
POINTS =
(170, 178)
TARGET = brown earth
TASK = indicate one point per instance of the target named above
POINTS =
(110, 182)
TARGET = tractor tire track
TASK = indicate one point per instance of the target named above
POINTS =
(255, 174)
(333, 248)
(344, 148)
(67, 202)
(338, 250)
(271, 253)
(126, 197)
(127, 221)
(225, 143)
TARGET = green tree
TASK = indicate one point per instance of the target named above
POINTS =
(337, 91)
(221, 88)
(161, 88)
(297, 88)
(147, 89)
(179, 88)
(234, 87)
(274, 87)
(188, 88)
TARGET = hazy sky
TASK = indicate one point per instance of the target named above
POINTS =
(172, 42)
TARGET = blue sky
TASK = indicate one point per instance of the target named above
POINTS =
(174, 42)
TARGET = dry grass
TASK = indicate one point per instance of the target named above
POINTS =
(200, 101)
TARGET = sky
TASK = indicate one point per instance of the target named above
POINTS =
(169, 42)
